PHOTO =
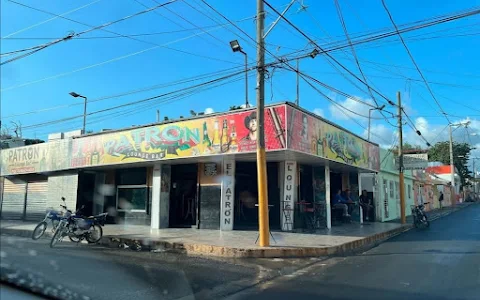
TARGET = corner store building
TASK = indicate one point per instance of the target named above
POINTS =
(198, 172)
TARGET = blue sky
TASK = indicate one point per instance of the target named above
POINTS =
(447, 54)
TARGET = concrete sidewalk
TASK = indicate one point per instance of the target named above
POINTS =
(241, 244)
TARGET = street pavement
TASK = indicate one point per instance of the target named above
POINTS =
(442, 262)
(105, 273)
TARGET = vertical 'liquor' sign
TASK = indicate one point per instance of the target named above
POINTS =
(228, 195)
(288, 203)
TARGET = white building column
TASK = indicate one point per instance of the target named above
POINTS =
(287, 210)
(360, 192)
(228, 195)
(160, 196)
(327, 197)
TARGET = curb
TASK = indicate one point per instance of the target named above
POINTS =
(222, 251)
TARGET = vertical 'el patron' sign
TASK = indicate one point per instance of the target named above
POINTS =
(288, 196)
(228, 195)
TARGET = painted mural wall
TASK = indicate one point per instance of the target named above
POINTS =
(36, 158)
(308, 134)
(229, 133)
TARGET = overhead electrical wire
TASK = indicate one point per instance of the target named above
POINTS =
(100, 27)
(352, 48)
(138, 101)
(46, 21)
(130, 92)
(413, 61)
(130, 37)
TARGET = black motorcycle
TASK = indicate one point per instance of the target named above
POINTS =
(420, 219)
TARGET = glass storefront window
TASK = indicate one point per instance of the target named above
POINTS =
(132, 198)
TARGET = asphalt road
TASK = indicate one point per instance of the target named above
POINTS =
(105, 273)
(442, 262)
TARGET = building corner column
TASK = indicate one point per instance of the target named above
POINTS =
(327, 197)
(227, 201)
(288, 200)
(160, 196)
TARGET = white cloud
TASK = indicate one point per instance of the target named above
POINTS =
(319, 112)
(209, 110)
(382, 135)
(353, 106)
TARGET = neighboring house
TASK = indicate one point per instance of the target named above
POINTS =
(388, 189)
(443, 173)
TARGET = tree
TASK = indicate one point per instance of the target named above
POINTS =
(408, 146)
(234, 107)
(461, 152)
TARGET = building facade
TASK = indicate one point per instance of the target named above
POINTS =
(198, 172)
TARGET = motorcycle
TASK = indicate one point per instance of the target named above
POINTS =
(79, 228)
(419, 216)
(53, 216)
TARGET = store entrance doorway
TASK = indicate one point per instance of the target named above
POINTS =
(183, 196)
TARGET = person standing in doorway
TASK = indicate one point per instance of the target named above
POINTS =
(366, 204)
(440, 199)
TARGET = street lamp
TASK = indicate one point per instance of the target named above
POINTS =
(75, 95)
(369, 117)
(237, 48)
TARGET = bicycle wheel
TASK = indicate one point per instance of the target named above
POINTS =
(58, 235)
(39, 230)
(95, 235)
(74, 238)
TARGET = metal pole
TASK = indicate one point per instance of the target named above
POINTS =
(263, 225)
(369, 121)
(158, 115)
(452, 168)
(297, 101)
(246, 80)
(84, 114)
(403, 218)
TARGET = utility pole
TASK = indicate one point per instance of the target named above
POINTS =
(158, 116)
(452, 168)
(263, 223)
(297, 100)
(400, 160)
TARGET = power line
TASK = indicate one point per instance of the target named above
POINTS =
(413, 61)
(88, 30)
(323, 51)
(126, 93)
(129, 37)
(138, 101)
(51, 19)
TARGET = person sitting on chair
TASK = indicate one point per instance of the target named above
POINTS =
(366, 204)
(340, 203)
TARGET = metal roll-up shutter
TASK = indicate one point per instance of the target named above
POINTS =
(36, 200)
(13, 201)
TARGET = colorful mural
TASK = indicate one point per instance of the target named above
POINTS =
(232, 133)
(313, 136)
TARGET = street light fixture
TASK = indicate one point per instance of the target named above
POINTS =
(237, 48)
(75, 95)
(369, 117)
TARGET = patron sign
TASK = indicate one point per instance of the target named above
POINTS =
(288, 196)
(228, 195)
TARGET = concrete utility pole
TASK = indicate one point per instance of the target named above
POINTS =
(263, 223)
(403, 218)
(452, 168)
